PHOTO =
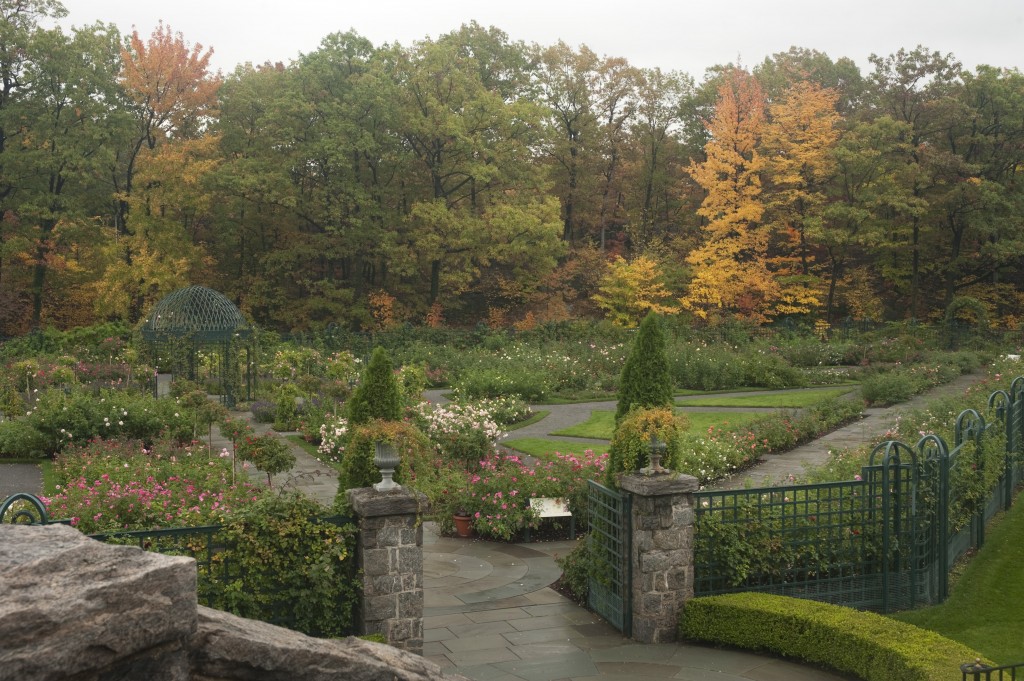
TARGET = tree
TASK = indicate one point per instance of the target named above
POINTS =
(645, 380)
(797, 142)
(173, 98)
(378, 395)
(64, 142)
(730, 270)
(632, 289)
(869, 187)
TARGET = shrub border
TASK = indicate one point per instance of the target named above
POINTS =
(868, 645)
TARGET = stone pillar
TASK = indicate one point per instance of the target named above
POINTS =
(390, 555)
(662, 552)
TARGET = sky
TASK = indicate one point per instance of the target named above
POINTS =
(682, 35)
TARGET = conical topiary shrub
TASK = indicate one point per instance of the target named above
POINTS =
(378, 395)
(646, 380)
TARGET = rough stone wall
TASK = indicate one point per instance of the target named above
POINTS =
(662, 552)
(74, 608)
(391, 557)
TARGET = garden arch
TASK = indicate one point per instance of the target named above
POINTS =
(198, 333)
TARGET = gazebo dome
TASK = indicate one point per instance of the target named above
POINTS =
(197, 313)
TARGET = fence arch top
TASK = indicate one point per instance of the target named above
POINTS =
(932, 446)
(1017, 389)
(999, 400)
(969, 424)
(890, 451)
(34, 515)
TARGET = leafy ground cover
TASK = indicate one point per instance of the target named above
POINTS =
(788, 399)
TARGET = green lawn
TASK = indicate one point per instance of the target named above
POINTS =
(986, 608)
(545, 449)
(308, 446)
(794, 399)
(536, 416)
(601, 423)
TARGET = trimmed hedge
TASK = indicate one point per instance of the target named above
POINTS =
(868, 645)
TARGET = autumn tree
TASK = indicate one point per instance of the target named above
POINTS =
(632, 289)
(173, 98)
(797, 141)
(730, 270)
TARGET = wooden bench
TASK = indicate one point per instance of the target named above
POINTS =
(547, 507)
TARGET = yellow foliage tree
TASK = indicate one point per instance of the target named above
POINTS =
(632, 289)
(797, 142)
(730, 269)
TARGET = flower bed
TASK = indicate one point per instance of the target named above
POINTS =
(120, 485)
(497, 496)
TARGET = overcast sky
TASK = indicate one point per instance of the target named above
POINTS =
(685, 35)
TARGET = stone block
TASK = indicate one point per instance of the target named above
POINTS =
(369, 503)
(383, 584)
(410, 560)
(71, 606)
(380, 607)
(668, 540)
(658, 485)
(410, 604)
(229, 648)
(376, 562)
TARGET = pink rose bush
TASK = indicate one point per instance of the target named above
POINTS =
(109, 485)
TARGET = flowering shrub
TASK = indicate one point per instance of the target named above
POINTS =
(267, 452)
(333, 437)
(120, 485)
(290, 363)
(497, 496)
(464, 433)
(263, 411)
(60, 419)
(505, 411)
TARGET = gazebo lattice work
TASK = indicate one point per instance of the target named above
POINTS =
(195, 318)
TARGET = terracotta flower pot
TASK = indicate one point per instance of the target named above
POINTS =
(463, 525)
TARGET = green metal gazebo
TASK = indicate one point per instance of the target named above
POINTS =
(196, 320)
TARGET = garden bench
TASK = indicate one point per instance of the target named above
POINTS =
(548, 507)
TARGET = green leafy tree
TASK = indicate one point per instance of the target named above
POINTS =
(378, 395)
(646, 381)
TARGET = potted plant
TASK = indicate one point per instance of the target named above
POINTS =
(463, 523)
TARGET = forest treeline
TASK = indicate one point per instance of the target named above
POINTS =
(474, 178)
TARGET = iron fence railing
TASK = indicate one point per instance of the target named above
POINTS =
(884, 541)
(976, 671)
(610, 537)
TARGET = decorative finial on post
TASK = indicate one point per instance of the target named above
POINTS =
(658, 449)
(386, 459)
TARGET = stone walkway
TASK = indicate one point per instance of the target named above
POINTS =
(491, 615)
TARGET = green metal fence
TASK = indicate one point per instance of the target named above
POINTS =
(884, 541)
(610, 540)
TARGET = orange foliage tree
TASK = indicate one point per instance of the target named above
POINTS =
(730, 268)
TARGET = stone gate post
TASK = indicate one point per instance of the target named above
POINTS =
(390, 554)
(662, 551)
